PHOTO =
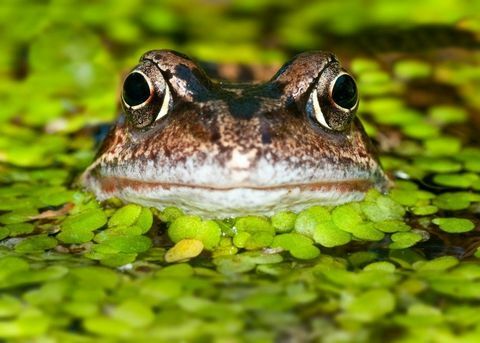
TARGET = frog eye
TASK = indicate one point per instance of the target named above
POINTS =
(136, 89)
(146, 96)
(344, 91)
(334, 100)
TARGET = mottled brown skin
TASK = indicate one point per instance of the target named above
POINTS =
(236, 137)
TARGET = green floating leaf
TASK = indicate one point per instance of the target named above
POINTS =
(244, 262)
(128, 244)
(458, 289)
(4, 232)
(37, 276)
(254, 224)
(81, 309)
(144, 220)
(9, 306)
(30, 323)
(404, 197)
(36, 243)
(192, 227)
(184, 250)
(420, 314)
(77, 236)
(90, 219)
(471, 158)
(180, 270)
(56, 196)
(134, 313)
(380, 265)
(412, 69)
(367, 231)
(382, 209)
(374, 76)
(444, 146)
(100, 276)
(108, 327)
(329, 235)
(284, 221)
(125, 216)
(298, 245)
(252, 240)
(371, 305)
(425, 210)
(361, 65)
(20, 229)
(347, 217)
(118, 259)
(464, 180)
(11, 264)
(454, 225)
(473, 165)
(18, 216)
(437, 165)
(391, 226)
(448, 114)
(308, 219)
(169, 214)
(403, 240)
(234, 264)
(117, 231)
(453, 201)
(421, 130)
(361, 258)
(253, 233)
(438, 264)
(79, 228)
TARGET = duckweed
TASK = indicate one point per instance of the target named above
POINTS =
(412, 69)
(443, 146)
(307, 220)
(298, 245)
(329, 235)
(184, 250)
(401, 265)
(284, 221)
(454, 225)
(402, 240)
(465, 180)
(447, 114)
(208, 232)
(36, 243)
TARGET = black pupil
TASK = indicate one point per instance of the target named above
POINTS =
(345, 91)
(135, 89)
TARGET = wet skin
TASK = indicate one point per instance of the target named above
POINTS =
(223, 150)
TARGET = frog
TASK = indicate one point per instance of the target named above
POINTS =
(222, 149)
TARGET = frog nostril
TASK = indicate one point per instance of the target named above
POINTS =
(136, 89)
(344, 91)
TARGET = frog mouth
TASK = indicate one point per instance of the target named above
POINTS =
(212, 201)
(112, 184)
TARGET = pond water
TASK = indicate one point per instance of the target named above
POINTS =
(402, 266)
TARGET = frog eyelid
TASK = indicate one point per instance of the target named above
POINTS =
(166, 103)
(319, 116)
(167, 97)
